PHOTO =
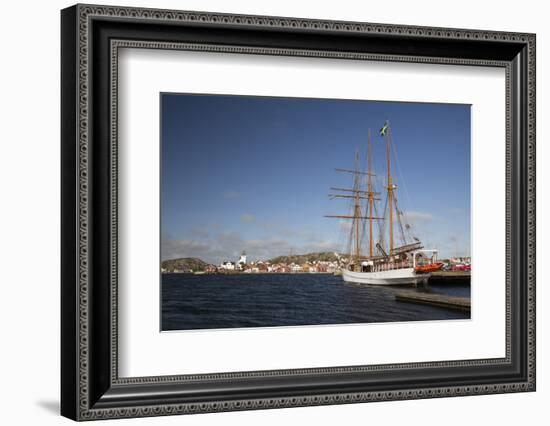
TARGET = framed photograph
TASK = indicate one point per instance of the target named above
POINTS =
(264, 212)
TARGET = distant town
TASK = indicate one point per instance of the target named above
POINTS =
(323, 263)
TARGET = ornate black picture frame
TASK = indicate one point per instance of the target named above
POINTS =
(91, 387)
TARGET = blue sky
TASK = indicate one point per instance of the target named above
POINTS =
(253, 173)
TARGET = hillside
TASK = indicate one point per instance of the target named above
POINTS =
(299, 259)
(184, 264)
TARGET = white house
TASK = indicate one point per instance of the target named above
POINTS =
(228, 266)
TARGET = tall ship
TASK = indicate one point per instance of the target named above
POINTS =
(402, 259)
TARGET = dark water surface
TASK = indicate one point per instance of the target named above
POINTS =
(261, 300)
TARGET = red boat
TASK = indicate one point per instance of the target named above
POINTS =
(430, 267)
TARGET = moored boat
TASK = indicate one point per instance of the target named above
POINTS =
(409, 263)
(391, 277)
(429, 268)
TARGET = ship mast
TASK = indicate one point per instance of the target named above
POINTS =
(369, 189)
(387, 133)
(357, 209)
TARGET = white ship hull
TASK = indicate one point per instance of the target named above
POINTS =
(391, 277)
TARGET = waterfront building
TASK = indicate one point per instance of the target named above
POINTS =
(263, 267)
(461, 260)
(242, 261)
(228, 266)
(210, 269)
(295, 268)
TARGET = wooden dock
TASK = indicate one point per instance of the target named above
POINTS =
(439, 300)
(450, 277)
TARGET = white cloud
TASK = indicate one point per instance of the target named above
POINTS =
(248, 218)
(282, 230)
(412, 216)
